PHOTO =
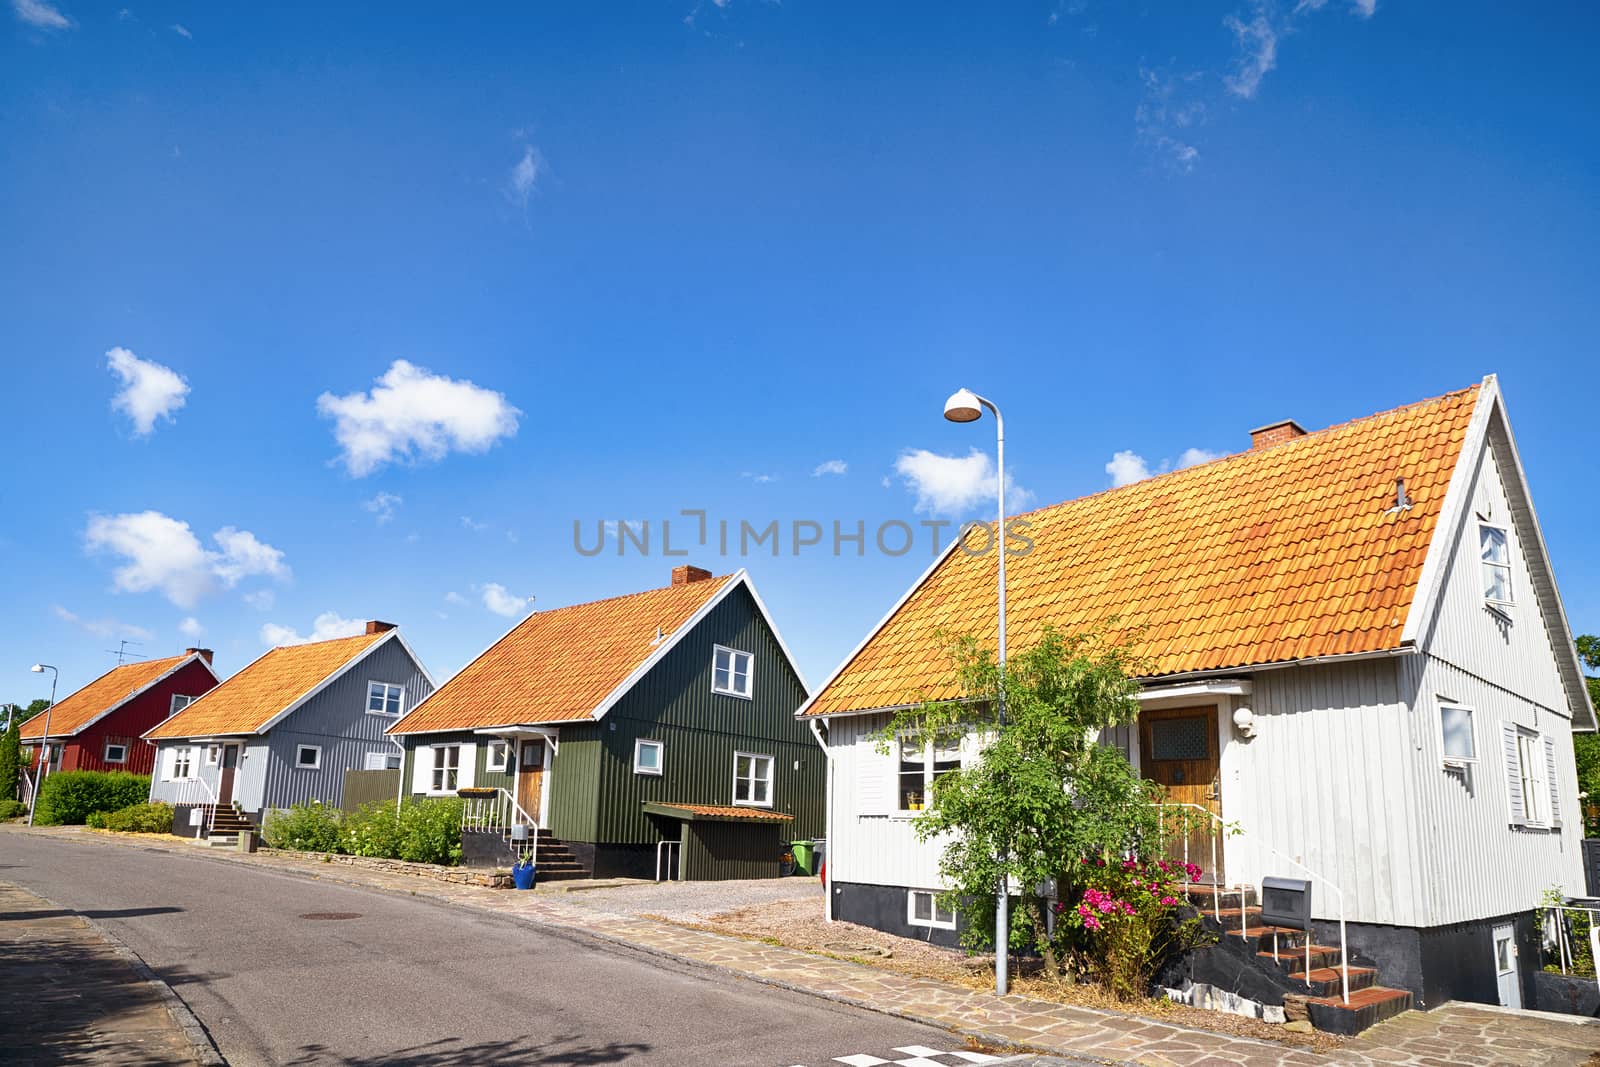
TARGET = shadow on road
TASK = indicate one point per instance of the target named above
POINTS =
(565, 1051)
(108, 913)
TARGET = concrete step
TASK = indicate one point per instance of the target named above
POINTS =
(223, 841)
(1367, 1008)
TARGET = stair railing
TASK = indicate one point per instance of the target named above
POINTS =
(502, 814)
(197, 792)
(1233, 829)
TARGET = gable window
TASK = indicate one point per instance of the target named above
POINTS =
(730, 672)
(446, 768)
(647, 756)
(182, 764)
(922, 764)
(1495, 553)
(381, 761)
(752, 780)
(1459, 743)
(1532, 782)
(499, 755)
(308, 757)
(116, 752)
(179, 702)
(923, 909)
(384, 699)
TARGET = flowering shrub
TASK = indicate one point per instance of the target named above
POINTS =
(1126, 921)
(423, 831)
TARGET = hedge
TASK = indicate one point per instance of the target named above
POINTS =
(152, 818)
(424, 831)
(70, 797)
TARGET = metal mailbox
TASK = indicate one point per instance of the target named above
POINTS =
(1286, 902)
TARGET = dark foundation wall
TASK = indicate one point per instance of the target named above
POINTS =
(883, 907)
(1439, 963)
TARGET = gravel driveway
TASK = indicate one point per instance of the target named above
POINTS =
(696, 901)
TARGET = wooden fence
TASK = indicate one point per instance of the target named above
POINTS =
(363, 787)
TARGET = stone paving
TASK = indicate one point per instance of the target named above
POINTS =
(1450, 1036)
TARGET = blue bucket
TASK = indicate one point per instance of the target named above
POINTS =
(523, 875)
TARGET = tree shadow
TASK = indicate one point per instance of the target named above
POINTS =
(565, 1050)
(107, 913)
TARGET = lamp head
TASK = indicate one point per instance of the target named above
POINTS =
(963, 406)
(37, 668)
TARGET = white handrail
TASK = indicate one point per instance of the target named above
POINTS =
(500, 814)
(1344, 951)
(187, 793)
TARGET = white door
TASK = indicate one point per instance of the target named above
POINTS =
(1505, 966)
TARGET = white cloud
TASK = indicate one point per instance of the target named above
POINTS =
(954, 485)
(500, 601)
(1167, 114)
(261, 599)
(469, 523)
(456, 598)
(40, 14)
(149, 390)
(832, 466)
(1126, 468)
(164, 555)
(182, 31)
(1193, 457)
(191, 628)
(383, 506)
(758, 477)
(412, 412)
(324, 627)
(1258, 48)
(524, 178)
(1365, 8)
(111, 629)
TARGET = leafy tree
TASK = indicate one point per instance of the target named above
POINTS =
(1042, 803)
(1587, 746)
(10, 761)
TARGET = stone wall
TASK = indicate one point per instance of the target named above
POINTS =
(458, 875)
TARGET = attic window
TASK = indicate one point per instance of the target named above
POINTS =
(179, 702)
(730, 672)
(1495, 553)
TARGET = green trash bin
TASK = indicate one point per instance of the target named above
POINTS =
(804, 857)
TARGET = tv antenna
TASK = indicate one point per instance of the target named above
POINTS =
(122, 649)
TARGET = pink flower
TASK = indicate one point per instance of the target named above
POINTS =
(1091, 922)
(1169, 901)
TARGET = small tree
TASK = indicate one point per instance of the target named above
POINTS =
(10, 761)
(1043, 803)
(1586, 747)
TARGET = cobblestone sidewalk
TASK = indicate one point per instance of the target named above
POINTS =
(69, 996)
(1445, 1037)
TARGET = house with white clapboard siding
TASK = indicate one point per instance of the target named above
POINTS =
(1360, 659)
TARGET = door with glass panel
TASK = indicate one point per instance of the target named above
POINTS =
(1505, 965)
(1178, 748)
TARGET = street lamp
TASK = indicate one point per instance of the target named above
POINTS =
(44, 746)
(966, 406)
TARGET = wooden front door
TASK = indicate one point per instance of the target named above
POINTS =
(530, 775)
(1178, 748)
(230, 764)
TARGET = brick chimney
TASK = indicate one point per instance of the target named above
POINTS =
(203, 653)
(685, 574)
(377, 626)
(1275, 433)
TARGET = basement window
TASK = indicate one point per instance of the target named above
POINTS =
(647, 756)
(730, 672)
(308, 757)
(116, 753)
(1495, 553)
(923, 909)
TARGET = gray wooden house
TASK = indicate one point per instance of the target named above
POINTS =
(285, 729)
(647, 733)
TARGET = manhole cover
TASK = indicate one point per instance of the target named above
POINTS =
(331, 915)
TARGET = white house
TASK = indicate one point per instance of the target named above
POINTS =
(1361, 659)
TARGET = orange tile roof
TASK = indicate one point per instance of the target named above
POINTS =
(717, 811)
(1275, 554)
(74, 712)
(250, 699)
(559, 665)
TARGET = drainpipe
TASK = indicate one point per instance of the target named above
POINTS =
(827, 817)
(400, 790)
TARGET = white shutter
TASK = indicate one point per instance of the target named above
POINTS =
(1552, 780)
(1519, 811)
(875, 778)
(469, 766)
(422, 770)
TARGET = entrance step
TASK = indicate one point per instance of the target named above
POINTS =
(1367, 1007)
(1328, 981)
(1201, 896)
(1293, 961)
(223, 841)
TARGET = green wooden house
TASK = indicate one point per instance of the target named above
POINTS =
(647, 735)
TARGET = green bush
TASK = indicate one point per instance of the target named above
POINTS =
(70, 797)
(430, 831)
(11, 809)
(95, 820)
(152, 818)
(310, 827)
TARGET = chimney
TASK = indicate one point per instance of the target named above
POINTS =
(203, 653)
(1275, 433)
(685, 574)
(378, 627)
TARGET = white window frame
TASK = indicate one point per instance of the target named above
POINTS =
(1440, 705)
(728, 690)
(176, 707)
(213, 755)
(105, 753)
(929, 777)
(182, 755)
(382, 759)
(1502, 606)
(934, 908)
(771, 778)
(314, 765)
(493, 764)
(387, 687)
(1535, 789)
(439, 771)
(660, 747)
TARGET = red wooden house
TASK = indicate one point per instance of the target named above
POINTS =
(97, 728)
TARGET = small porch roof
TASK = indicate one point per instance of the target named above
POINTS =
(714, 813)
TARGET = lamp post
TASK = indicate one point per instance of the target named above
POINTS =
(966, 406)
(44, 746)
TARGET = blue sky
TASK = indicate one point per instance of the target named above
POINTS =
(688, 254)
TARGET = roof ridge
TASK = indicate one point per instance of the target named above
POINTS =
(716, 580)
(310, 644)
(1345, 425)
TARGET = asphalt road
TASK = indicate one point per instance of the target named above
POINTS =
(402, 981)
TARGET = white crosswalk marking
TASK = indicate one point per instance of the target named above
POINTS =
(916, 1056)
